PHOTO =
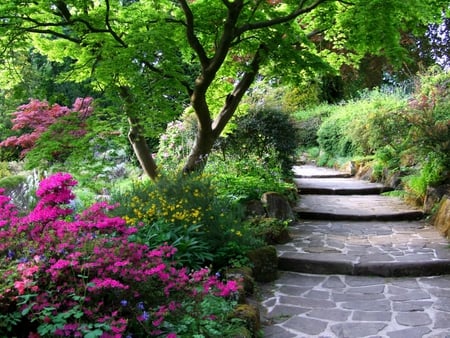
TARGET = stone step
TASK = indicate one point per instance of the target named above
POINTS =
(311, 171)
(365, 248)
(338, 186)
(355, 207)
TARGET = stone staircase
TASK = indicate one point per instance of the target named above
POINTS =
(359, 265)
(347, 227)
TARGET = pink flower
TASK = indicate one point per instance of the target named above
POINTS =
(107, 283)
(20, 286)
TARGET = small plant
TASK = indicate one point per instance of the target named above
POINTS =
(241, 180)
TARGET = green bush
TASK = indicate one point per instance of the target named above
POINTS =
(403, 133)
(333, 136)
(4, 170)
(176, 143)
(11, 182)
(270, 135)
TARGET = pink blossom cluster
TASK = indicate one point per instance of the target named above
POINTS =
(54, 258)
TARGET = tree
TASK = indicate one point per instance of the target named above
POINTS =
(36, 117)
(212, 50)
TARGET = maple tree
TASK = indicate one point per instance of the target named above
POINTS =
(35, 118)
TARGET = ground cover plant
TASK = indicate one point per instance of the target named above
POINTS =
(78, 274)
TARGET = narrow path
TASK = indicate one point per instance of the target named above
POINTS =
(359, 265)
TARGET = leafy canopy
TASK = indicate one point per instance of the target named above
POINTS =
(153, 51)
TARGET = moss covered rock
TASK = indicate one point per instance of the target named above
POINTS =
(249, 314)
(245, 276)
(265, 263)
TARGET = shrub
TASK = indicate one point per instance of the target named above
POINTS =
(333, 134)
(175, 143)
(68, 274)
(185, 212)
(268, 134)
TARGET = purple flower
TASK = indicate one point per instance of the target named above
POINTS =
(145, 316)
(11, 254)
(140, 306)
(123, 302)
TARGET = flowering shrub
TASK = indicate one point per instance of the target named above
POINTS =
(68, 274)
(186, 213)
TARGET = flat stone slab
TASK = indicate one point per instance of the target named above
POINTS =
(396, 248)
(311, 171)
(355, 306)
(338, 186)
(355, 207)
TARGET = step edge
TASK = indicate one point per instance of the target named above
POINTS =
(383, 269)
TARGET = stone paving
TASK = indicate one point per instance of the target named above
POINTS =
(359, 248)
(305, 305)
(339, 273)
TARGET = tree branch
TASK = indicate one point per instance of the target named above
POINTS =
(192, 38)
(235, 97)
(108, 25)
(228, 35)
(158, 71)
(283, 19)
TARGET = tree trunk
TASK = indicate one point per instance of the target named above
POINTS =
(136, 136)
(209, 131)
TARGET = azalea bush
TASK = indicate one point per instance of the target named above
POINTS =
(78, 275)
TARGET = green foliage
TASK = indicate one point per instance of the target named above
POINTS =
(241, 180)
(175, 143)
(333, 134)
(361, 127)
(185, 212)
(125, 44)
(431, 173)
(198, 321)
(308, 124)
(268, 228)
(306, 95)
(396, 132)
(264, 133)
(12, 182)
(4, 170)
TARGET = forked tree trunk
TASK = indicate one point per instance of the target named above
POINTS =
(209, 132)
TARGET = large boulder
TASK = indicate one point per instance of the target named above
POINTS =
(277, 206)
(442, 217)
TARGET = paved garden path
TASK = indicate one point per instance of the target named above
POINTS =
(359, 265)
